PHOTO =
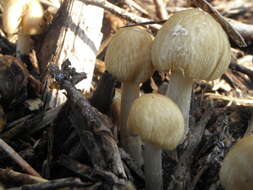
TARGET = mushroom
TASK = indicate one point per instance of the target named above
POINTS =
(194, 47)
(160, 124)
(128, 59)
(25, 18)
(236, 172)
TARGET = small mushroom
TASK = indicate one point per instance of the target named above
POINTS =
(194, 47)
(128, 59)
(24, 18)
(236, 172)
(160, 123)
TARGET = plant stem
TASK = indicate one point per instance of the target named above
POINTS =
(153, 167)
(180, 89)
(130, 142)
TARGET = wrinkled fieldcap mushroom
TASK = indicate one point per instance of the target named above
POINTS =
(193, 45)
(23, 17)
(236, 172)
(128, 59)
(160, 123)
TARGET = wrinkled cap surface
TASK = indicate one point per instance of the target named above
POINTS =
(192, 42)
(236, 172)
(128, 56)
(158, 120)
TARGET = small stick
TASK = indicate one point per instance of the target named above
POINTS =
(17, 177)
(120, 12)
(54, 184)
(239, 101)
(133, 4)
(15, 156)
(231, 32)
(161, 9)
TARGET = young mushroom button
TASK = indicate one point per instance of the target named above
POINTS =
(128, 58)
(160, 123)
(194, 47)
(236, 172)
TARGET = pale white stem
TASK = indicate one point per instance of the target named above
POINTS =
(152, 167)
(179, 90)
(24, 44)
(130, 142)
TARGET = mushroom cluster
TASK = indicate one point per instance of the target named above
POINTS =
(24, 18)
(183, 46)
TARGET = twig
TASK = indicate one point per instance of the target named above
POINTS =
(133, 4)
(242, 69)
(17, 177)
(31, 123)
(232, 33)
(239, 101)
(90, 173)
(120, 12)
(54, 184)
(15, 156)
(182, 175)
(246, 30)
(106, 86)
(161, 9)
(92, 127)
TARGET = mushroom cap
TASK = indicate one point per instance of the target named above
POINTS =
(32, 21)
(13, 10)
(23, 16)
(236, 172)
(158, 120)
(194, 43)
(128, 56)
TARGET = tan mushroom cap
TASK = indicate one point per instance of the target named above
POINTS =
(23, 16)
(128, 56)
(237, 169)
(192, 42)
(158, 120)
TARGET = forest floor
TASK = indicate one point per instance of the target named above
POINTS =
(221, 113)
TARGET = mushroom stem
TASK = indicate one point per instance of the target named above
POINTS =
(179, 90)
(24, 44)
(152, 167)
(130, 142)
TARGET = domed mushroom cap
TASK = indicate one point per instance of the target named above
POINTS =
(237, 169)
(25, 16)
(13, 10)
(192, 42)
(128, 55)
(158, 120)
(33, 22)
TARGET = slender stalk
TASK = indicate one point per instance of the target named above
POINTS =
(180, 89)
(153, 167)
(24, 44)
(130, 142)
